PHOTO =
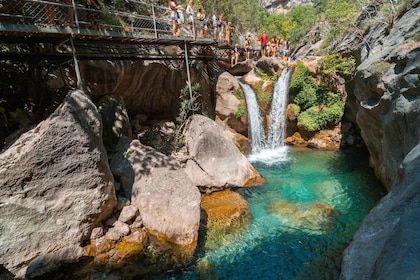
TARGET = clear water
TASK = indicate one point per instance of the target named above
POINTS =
(275, 248)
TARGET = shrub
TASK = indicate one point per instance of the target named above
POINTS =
(295, 108)
(315, 118)
(335, 63)
(307, 97)
(188, 106)
(304, 85)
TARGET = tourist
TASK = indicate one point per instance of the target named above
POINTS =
(273, 46)
(234, 55)
(286, 50)
(93, 16)
(264, 41)
(179, 21)
(215, 22)
(174, 16)
(201, 17)
(229, 30)
(190, 17)
(221, 27)
(247, 48)
(237, 53)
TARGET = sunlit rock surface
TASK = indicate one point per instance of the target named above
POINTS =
(55, 187)
(214, 160)
(227, 104)
(168, 202)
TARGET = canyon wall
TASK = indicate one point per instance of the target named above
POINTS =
(385, 99)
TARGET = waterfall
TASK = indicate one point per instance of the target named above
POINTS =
(277, 130)
(256, 130)
(270, 149)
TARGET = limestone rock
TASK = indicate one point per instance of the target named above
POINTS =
(251, 79)
(242, 68)
(168, 202)
(386, 245)
(55, 185)
(215, 161)
(227, 104)
(128, 213)
(227, 214)
(386, 89)
(327, 139)
(269, 65)
(52, 262)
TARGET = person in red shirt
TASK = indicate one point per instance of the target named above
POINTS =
(264, 41)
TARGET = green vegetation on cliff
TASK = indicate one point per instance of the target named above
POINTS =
(318, 107)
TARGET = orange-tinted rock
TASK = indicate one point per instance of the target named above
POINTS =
(227, 215)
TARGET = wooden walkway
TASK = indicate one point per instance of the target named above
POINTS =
(29, 22)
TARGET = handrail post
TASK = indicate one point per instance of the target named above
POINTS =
(154, 21)
(76, 19)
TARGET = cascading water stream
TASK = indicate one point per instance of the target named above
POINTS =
(255, 127)
(269, 149)
(277, 130)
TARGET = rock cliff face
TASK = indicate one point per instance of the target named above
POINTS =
(283, 6)
(386, 90)
(387, 106)
(150, 88)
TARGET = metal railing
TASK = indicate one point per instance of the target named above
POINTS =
(145, 19)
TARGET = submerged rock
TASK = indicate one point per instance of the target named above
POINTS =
(316, 217)
(226, 214)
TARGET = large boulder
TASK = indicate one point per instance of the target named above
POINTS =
(55, 187)
(168, 202)
(387, 244)
(214, 160)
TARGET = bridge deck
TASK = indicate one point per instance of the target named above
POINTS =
(28, 21)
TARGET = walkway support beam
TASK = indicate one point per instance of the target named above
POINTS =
(187, 65)
(76, 66)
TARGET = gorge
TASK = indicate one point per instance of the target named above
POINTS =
(84, 188)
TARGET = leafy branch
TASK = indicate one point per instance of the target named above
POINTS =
(188, 106)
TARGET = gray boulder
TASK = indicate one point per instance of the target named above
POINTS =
(168, 202)
(55, 186)
(214, 160)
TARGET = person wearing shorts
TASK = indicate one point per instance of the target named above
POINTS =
(264, 41)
